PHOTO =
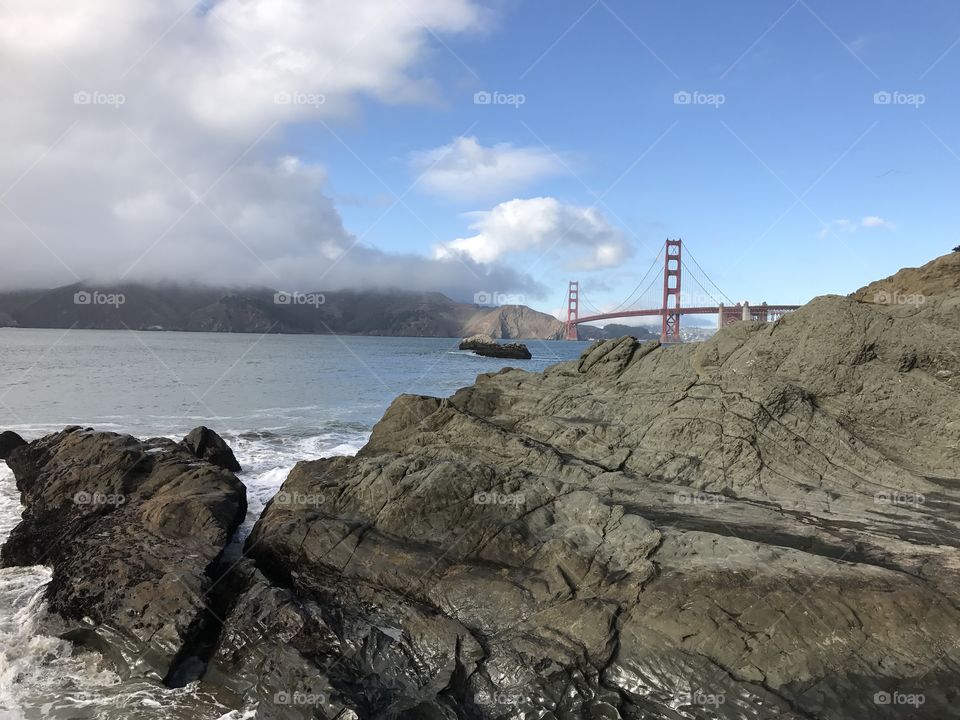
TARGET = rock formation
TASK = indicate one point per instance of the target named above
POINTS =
(764, 525)
(131, 530)
(761, 526)
(937, 277)
(488, 347)
(8, 441)
(205, 444)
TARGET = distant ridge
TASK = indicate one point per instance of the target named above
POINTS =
(264, 310)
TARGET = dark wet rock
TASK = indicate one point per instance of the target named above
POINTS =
(205, 444)
(488, 347)
(764, 525)
(9, 440)
(130, 529)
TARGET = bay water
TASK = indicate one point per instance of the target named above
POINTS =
(276, 399)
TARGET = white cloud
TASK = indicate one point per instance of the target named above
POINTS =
(845, 225)
(466, 169)
(579, 235)
(108, 190)
(873, 221)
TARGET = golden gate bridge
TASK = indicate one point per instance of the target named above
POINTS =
(671, 306)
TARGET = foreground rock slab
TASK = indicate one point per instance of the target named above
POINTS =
(130, 529)
(765, 525)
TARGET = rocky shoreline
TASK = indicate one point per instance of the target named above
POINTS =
(762, 525)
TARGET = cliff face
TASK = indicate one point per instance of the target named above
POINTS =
(373, 312)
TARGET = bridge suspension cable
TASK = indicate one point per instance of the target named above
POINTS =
(705, 291)
(653, 282)
(708, 278)
(590, 305)
(629, 299)
(633, 297)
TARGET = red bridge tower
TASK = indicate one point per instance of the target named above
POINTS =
(670, 331)
(573, 310)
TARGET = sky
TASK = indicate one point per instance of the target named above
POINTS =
(487, 149)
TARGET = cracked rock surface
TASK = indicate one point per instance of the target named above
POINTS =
(764, 525)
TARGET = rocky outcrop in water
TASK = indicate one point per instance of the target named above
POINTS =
(488, 347)
(131, 530)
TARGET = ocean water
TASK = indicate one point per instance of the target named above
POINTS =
(276, 399)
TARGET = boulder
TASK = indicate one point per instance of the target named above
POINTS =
(205, 444)
(9, 440)
(488, 347)
(130, 529)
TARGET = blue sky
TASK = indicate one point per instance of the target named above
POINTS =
(798, 118)
(194, 146)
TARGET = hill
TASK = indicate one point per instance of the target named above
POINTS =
(264, 310)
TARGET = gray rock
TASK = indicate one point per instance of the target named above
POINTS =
(205, 444)
(9, 441)
(764, 525)
(130, 529)
(488, 347)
